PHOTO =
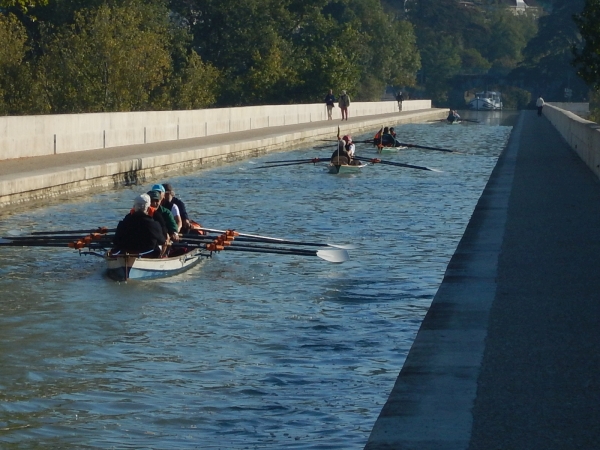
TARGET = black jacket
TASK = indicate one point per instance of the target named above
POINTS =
(138, 233)
(180, 205)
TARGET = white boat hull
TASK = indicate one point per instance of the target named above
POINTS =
(345, 168)
(486, 101)
(133, 267)
(390, 149)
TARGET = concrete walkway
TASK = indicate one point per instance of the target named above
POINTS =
(39, 178)
(508, 355)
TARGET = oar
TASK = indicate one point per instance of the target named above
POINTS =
(313, 161)
(101, 230)
(428, 148)
(269, 241)
(63, 244)
(392, 163)
(291, 161)
(469, 120)
(334, 255)
(93, 236)
(259, 238)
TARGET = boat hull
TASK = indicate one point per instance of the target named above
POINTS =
(345, 168)
(133, 267)
(391, 149)
(486, 101)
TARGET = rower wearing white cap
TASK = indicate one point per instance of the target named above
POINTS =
(138, 232)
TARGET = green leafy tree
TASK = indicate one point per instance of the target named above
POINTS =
(196, 84)
(18, 89)
(546, 67)
(110, 59)
(587, 59)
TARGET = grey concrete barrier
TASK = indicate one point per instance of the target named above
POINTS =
(27, 136)
(583, 136)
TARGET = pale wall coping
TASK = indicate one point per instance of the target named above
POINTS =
(26, 136)
(583, 136)
(574, 107)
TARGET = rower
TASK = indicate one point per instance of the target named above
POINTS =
(453, 116)
(340, 156)
(350, 149)
(177, 207)
(160, 212)
(138, 232)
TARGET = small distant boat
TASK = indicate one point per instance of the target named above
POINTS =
(486, 101)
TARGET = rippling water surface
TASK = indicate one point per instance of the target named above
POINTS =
(245, 350)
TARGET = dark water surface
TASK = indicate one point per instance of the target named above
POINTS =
(245, 350)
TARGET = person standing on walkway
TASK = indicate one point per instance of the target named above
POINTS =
(540, 104)
(344, 103)
(330, 102)
(399, 99)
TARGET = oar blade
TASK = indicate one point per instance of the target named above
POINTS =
(333, 255)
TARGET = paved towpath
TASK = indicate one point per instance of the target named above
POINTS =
(508, 356)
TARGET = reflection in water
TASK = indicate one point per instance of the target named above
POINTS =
(244, 350)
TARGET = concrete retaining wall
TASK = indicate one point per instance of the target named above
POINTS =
(575, 107)
(582, 135)
(26, 136)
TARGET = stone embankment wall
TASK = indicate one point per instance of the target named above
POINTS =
(26, 136)
(582, 135)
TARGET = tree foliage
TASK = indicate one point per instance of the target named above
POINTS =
(463, 45)
(546, 68)
(587, 59)
(121, 55)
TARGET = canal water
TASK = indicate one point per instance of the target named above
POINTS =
(245, 350)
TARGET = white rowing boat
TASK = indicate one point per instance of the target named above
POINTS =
(126, 266)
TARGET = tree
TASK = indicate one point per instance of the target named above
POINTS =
(587, 59)
(18, 90)
(110, 59)
(546, 67)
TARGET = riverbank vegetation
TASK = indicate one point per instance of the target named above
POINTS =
(77, 56)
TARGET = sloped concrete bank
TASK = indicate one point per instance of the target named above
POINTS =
(42, 177)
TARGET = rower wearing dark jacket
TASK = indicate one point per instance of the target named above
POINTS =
(340, 156)
(138, 232)
(169, 200)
